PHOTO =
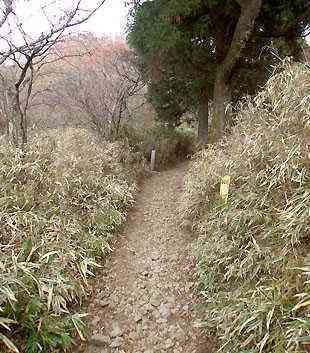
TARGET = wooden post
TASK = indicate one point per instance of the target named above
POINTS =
(153, 153)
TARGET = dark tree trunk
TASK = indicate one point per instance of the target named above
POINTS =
(203, 120)
(18, 125)
(222, 97)
(12, 118)
(22, 119)
(249, 11)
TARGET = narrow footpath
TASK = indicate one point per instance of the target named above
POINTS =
(145, 301)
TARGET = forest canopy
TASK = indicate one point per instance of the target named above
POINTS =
(195, 52)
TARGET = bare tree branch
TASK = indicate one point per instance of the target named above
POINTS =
(31, 56)
(54, 34)
(6, 11)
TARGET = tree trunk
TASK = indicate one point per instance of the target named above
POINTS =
(203, 120)
(12, 119)
(249, 11)
(17, 122)
(222, 97)
(21, 116)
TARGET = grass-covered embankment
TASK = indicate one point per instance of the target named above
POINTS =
(60, 203)
(253, 251)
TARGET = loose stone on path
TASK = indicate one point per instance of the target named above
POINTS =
(144, 301)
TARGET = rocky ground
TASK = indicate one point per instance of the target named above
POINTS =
(145, 301)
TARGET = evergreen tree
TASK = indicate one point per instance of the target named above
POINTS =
(196, 50)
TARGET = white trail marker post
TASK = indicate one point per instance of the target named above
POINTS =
(153, 155)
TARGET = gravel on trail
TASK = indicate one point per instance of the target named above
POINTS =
(145, 300)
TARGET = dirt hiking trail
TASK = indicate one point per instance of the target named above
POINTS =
(145, 301)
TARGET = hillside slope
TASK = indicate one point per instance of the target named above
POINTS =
(61, 202)
(253, 251)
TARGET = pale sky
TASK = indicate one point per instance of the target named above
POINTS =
(110, 19)
(36, 14)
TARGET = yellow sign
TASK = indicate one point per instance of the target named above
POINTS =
(224, 190)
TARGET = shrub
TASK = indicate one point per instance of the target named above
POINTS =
(172, 145)
(254, 268)
(60, 203)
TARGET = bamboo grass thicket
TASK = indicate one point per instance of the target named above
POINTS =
(60, 203)
(253, 251)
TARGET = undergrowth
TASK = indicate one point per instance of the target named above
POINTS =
(253, 251)
(172, 145)
(61, 201)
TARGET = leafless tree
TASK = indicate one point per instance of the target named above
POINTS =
(6, 8)
(27, 54)
(101, 86)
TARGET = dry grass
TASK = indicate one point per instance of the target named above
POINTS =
(60, 203)
(254, 267)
